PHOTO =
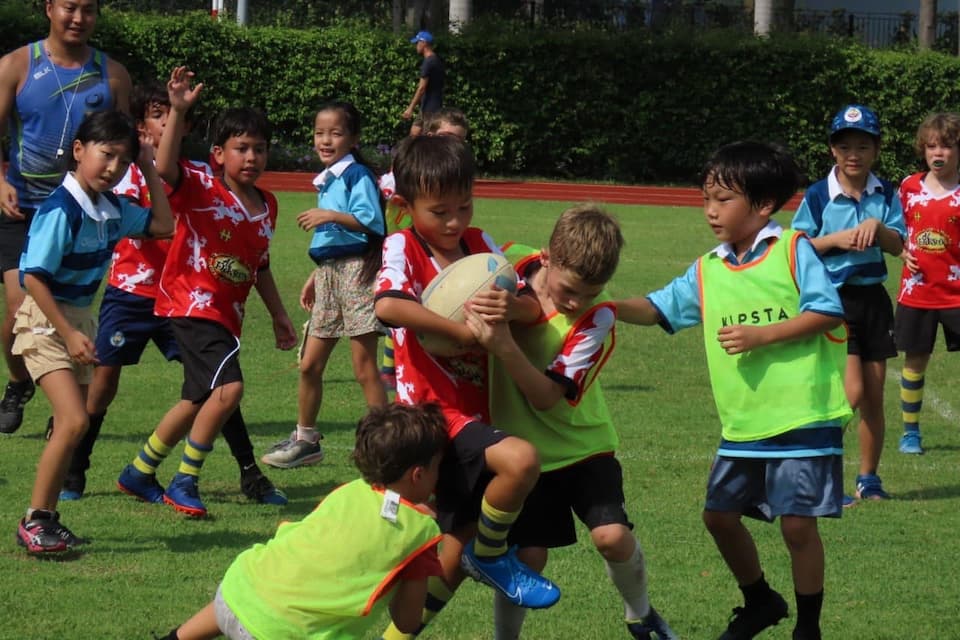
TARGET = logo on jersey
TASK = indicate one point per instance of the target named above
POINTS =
(229, 268)
(932, 240)
(118, 339)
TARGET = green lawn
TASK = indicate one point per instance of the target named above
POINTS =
(889, 565)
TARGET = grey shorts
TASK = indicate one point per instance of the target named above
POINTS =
(764, 488)
(227, 620)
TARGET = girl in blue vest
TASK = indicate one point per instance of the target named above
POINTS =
(348, 229)
(67, 252)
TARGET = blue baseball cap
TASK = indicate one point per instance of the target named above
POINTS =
(426, 36)
(856, 116)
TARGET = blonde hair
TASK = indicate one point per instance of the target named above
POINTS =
(944, 127)
(587, 241)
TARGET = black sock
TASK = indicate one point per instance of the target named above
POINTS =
(235, 433)
(81, 455)
(808, 614)
(757, 593)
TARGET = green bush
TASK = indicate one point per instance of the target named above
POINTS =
(632, 106)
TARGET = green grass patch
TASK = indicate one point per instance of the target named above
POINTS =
(888, 564)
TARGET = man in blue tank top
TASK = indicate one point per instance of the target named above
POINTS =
(46, 88)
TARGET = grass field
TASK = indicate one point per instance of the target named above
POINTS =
(890, 566)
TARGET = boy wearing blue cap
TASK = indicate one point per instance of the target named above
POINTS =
(852, 217)
(429, 92)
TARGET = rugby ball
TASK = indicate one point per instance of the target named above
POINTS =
(454, 286)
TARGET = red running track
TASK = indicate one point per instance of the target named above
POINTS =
(564, 191)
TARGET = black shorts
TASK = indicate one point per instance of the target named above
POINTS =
(127, 324)
(210, 354)
(13, 235)
(916, 328)
(464, 476)
(868, 313)
(592, 489)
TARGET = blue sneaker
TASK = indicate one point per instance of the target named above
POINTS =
(652, 626)
(183, 495)
(73, 486)
(869, 487)
(910, 443)
(848, 501)
(141, 486)
(519, 583)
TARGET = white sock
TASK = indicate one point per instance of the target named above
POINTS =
(307, 433)
(507, 618)
(630, 579)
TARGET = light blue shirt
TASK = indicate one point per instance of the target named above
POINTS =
(679, 302)
(71, 240)
(347, 187)
(827, 209)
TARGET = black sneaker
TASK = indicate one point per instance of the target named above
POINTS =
(43, 533)
(15, 397)
(747, 622)
(258, 488)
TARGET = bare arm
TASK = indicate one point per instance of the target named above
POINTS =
(13, 67)
(417, 95)
(182, 96)
(402, 312)
(541, 391)
(312, 218)
(79, 346)
(741, 338)
(120, 86)
(283, 331)
(637, 311)
(161, 222)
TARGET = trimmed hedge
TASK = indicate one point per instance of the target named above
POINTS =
(630, 106)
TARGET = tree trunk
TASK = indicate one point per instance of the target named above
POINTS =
(762, 17)
(460, 11)
(928, 23)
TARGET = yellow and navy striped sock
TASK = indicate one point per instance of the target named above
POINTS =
(388, 366)
(492, 530)
(153, 453)
(193, 456)
(911, 398)
(438, 595)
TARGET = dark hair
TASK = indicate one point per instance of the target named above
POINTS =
(238, 121)
(373, 257)
(396, 437)
(108, 126)
(760, 171)
(149, 93)
(433, 165)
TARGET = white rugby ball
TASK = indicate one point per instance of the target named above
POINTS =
(454, 286)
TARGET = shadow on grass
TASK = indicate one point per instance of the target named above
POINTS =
(201, 541)
(71, 555)
(628, 387)
(933, 493)
(941, 447)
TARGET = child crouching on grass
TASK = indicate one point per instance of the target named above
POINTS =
(767, 306)
(366, 545)
(68, 249)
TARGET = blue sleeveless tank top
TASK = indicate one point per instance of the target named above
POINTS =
(47, 114)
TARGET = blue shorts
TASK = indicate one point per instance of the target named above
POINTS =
(127, 324)
(764, 488)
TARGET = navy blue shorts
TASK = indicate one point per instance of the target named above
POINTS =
(869, 315)
(127, 325)
(13, 235)
(764, 488)
(464, 476)
(592, 489)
